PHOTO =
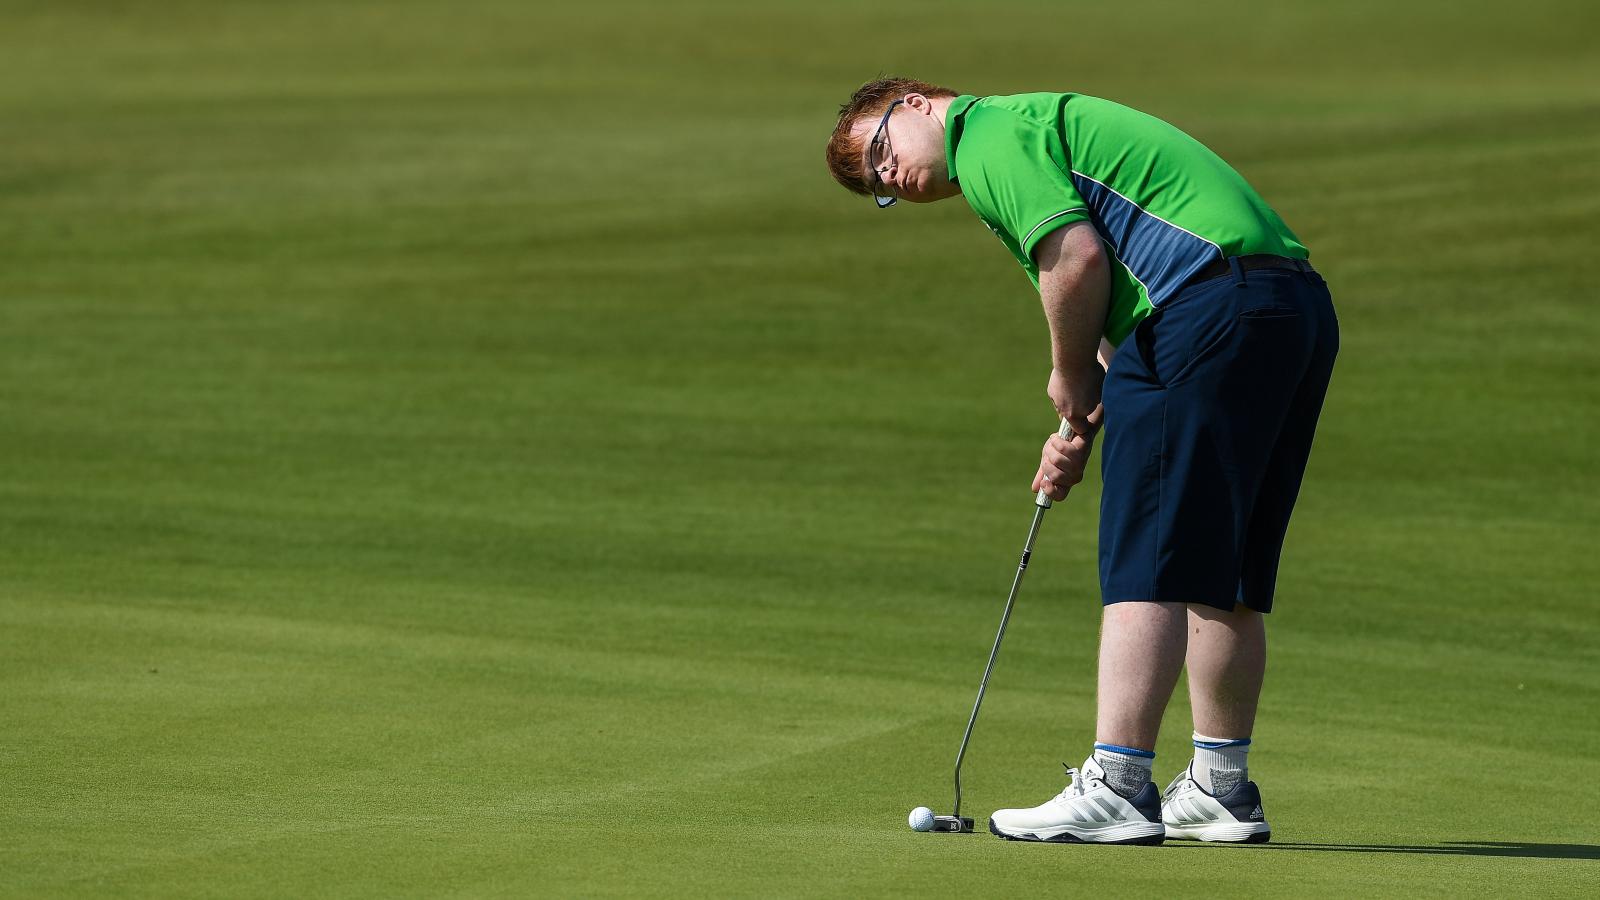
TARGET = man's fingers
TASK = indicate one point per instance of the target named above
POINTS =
(1094, 419)
(1085, 426)
(1053, 481)
(1043, 477)
(1066, 457)
(1062, 463)
(1066, 476)
(1079, 445)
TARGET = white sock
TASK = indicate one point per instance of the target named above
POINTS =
(1219, 763)
(1127, 768)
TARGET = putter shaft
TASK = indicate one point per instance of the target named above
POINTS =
(1041, 503)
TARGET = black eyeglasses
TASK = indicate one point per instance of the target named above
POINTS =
(880, 154)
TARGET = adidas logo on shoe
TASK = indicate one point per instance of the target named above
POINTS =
(1256, 813)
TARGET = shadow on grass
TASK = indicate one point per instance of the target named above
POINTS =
(1447, 848)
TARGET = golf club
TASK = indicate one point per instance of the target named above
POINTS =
(955, 822)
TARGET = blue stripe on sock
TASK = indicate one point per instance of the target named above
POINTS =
(1218, 745)
(1130, 751)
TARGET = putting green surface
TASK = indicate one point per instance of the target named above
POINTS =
(474, 450)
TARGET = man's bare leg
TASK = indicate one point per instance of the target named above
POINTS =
(1141, 654)
(1227, 661)
(1227, 658)
(1214, 799)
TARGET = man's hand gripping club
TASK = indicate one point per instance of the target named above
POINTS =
(1062, 463)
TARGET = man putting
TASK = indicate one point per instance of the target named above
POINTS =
(1186, 321)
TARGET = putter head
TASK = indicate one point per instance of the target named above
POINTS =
(952, 824)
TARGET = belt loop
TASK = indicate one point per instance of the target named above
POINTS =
(1238, 270)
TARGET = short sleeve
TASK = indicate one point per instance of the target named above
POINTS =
(1020, 167)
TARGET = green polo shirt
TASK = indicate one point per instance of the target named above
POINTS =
(1165, 205)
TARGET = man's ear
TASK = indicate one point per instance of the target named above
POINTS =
(918, 102)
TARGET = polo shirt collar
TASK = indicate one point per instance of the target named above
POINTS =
(954, 122)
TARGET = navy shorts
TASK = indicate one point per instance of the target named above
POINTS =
(1210, 408)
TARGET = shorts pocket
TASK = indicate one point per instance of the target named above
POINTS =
(1208, 345)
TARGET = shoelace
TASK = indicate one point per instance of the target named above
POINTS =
(1074, 783)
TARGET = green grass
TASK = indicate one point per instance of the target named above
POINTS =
(473, 449)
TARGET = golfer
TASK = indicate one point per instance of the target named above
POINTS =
(1186, 321)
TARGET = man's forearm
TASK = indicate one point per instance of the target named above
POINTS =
(1077, 316)
(1075, 289)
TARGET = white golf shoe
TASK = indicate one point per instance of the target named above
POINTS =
(1192, 814)
(1087, 811)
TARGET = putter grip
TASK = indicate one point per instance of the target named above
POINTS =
(1042, 500)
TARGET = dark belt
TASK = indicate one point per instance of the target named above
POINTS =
(1250, 263)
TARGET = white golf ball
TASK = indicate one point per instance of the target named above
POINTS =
(921, 819)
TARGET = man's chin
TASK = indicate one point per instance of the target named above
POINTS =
(925, 191)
